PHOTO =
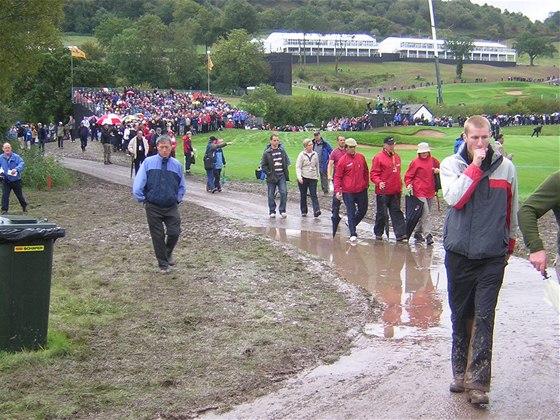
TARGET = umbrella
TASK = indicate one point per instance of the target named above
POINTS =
(413, 207)
(335, 221)
(130, 92)
(132, 117)
(309, 125)
(110, 119)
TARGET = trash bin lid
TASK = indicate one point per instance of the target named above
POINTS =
(22, 222)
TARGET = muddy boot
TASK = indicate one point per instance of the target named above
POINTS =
(478, 397)
(456, 385)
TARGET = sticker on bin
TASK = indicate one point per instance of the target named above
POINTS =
(29, 248)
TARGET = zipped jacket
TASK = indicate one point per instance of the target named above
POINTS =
(481, 219)
(385, 168)
(351, 174)
(420, 175)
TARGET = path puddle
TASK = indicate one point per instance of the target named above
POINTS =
(409, 280)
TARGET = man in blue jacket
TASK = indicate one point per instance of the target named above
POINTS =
(323, 150)
(11, 166)
(160, 186)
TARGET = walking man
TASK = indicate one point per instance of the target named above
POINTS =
(386, 175)
(275, 165)
(351, 184)
(83, 133)
(11, 166)
(480, 187)
(160, 186)
(323, 150)
(188, 151)
(138, 148)
(106, 142)
(334, 157)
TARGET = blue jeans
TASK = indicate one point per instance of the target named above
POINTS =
(356, 208)
(210, 182)
(282, 190)
(311, 185)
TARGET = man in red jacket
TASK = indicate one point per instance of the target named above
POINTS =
(419, 179)
(386, 175)
(351, 184)
(188, 151)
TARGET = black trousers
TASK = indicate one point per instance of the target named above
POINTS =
(392, 203)
(473, 287)
(7, 188)
(165, 228)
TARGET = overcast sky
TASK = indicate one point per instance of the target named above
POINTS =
(533, 9)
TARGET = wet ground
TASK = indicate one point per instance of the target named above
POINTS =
(399, 367)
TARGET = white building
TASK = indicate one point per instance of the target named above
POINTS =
(311, 44)
(424, 48)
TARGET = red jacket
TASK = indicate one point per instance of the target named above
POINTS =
(385, 168)
(420, 174)
(187, 145)
(351, 174)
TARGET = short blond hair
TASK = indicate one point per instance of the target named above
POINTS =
(477, 121)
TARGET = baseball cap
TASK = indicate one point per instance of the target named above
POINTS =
(388, 140)
(350, 142)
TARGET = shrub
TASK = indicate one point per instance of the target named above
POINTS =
(38, 168)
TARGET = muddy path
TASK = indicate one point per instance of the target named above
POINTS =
(399, 367)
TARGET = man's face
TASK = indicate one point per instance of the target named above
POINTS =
(389, 148)
(477, 138)
(341, 141)
(317, 137)
(351, 150)
(274, 142)
(164, 149)
(7, 148)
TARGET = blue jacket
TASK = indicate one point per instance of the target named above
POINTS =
(164, 188)
(14, 162)
(324, 158)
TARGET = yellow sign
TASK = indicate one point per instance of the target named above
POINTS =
(29, 248)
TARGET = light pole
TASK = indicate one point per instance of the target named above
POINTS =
(439, 99)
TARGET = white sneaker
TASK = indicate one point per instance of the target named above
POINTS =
(272, 215)
(353, 238)
(283, 215)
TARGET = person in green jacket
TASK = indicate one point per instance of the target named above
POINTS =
(546, 197)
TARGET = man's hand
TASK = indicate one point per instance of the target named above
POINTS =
(382, 185)
(339, 196)
(538, 260)
(478, 157)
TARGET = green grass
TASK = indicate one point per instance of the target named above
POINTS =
(534, 158)
(77, 39)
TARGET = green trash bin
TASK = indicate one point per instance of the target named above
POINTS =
(26, 252)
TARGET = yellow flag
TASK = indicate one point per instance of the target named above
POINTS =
(76, 52)
(210, 64)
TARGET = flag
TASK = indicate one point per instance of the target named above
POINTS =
(210, 64)
(76, 52)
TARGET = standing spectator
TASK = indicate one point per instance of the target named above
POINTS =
(60, 135)
(351, 184)
(546, 197)
(219, 165)
(213, 145)
(458, 143)
(106, 142)
(11, 166)
(275, 164)
(480, 187)
(71, 127)
(323, 150)
(307, 172)
(83, 133)
(499, 147)
(419, 180)
(160, 186)
(42, 137)
(334, 157)
(386, 175)
(138, 148)
(188, 151)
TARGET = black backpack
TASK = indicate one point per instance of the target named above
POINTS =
(209, 160)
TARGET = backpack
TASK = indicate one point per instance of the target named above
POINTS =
(209, 160)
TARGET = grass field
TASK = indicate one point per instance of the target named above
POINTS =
(534, 158)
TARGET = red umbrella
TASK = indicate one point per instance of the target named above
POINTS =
(110, 119)
(130, 92)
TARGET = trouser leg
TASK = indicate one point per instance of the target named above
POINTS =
(17, 186)
(6, 189)
(397, 217)
(473, 288)
(380, 215)
(303, 196)
(283, 191)
(271, 202)
(350, 203)
(324, 181)
(362, 206)
(163, 242)
(313, 194)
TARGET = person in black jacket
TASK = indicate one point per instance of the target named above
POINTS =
(275, 164)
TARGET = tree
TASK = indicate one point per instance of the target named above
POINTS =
(239, 61)
(239, 14)
(460, 48)
(109, 28)
(29, 29)
(306, 19)
(261, 101)
(534, 46)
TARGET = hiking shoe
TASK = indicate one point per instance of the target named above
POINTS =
(283, 215)
(164, 270)
(317, 213)
(303, 214)
(477, 396)
(379, 237)
(4, 212)
(456, 385)
(25, 211)
(272, 215)
(353, 238)
(171, 260)
(429, 239)
(402, 238)
(418, 236)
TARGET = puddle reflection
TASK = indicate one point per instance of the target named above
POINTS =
(404, 278)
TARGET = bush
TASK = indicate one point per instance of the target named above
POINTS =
(39, 168)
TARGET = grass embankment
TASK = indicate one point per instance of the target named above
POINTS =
(534, 158)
